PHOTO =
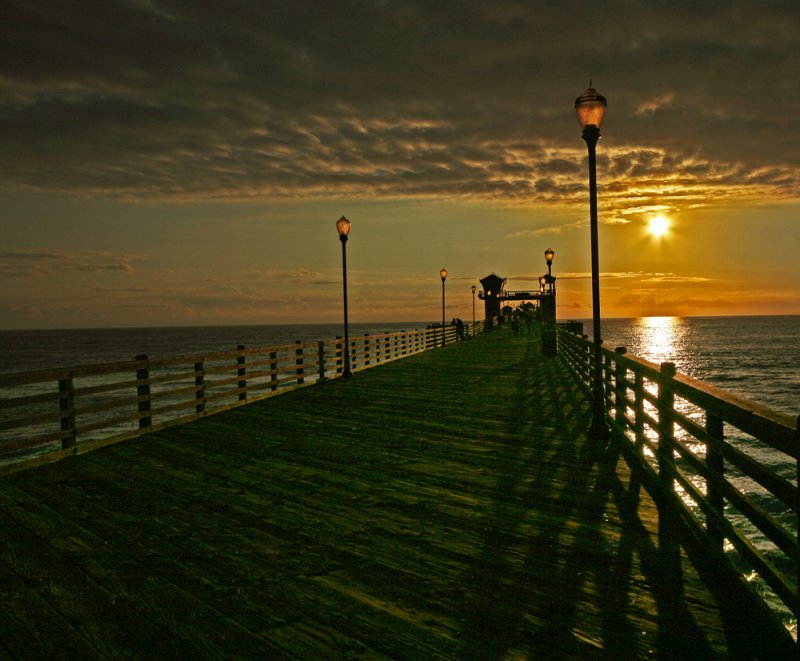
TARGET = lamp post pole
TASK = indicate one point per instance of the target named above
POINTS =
(551, 288)
(549, 333)
(443, 274)
(590, 108)
(473, 310)
(343, 227)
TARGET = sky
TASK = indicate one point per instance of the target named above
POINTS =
(184, 162)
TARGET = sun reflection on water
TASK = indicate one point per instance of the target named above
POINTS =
(659, 339)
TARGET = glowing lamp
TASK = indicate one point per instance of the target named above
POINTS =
(590, 107)
(343, 226)
(548, 255)
(443, 273)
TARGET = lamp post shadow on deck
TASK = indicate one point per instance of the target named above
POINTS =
(343, 227)
(590, 108)
(443, 274)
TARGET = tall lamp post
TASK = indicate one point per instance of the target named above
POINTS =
(548, 255)
(551, 282)
(549, 333)
(343, 227)
(590, 108)
(443, 274)
(473, 310)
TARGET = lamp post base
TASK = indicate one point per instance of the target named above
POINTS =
(598, 430)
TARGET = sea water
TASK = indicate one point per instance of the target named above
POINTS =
(29, 350)
(755, 357)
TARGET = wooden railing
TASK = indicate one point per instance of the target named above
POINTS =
(723, 465)
(48, 414)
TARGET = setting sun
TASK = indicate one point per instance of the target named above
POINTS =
(658, 226)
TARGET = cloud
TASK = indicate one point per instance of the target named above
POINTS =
(672, 278)
(275, 99)
(38, 263)
(289, 276)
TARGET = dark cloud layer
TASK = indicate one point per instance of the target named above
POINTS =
(469, 99)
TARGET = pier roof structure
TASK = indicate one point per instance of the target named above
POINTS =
(447, 505)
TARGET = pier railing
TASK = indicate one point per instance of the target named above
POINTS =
(723, 465)
(52, 413)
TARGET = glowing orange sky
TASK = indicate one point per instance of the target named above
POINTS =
(180, 163)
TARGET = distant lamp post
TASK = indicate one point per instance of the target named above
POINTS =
(473, 310)
(343, 227)
(549, 287)
(443, 274)
(548, 255)
(591, 108)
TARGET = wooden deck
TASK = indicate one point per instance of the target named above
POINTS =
(447, 505)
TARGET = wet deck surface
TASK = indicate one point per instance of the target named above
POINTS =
(447, 505)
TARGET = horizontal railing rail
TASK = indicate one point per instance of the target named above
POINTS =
(726, 465)
(47, 414)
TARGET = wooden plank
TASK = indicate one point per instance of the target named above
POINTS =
(380, 516)
(126, 606)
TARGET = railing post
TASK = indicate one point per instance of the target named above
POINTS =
(66, 404)
(241, 372)
(378, 349)
(339, 356)
(666, 426)
(298, 361)
(273, 368)
(321, 360)
(586, 367)
(716, 464)
(620, 389)
(143, 391)
(638, 421)
(366, 349)
(199, 388)
(666, 459)
(353, 354)
(638, 432)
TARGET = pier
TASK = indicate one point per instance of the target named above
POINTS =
(448, 504)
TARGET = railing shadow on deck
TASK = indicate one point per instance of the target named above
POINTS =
(555, 504)
(691, 446)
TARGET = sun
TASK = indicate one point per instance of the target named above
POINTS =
(658, 226)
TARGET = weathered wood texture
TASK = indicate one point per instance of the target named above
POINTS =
(447, 505)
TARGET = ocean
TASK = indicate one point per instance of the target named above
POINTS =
(29, 350)
(755, 357)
